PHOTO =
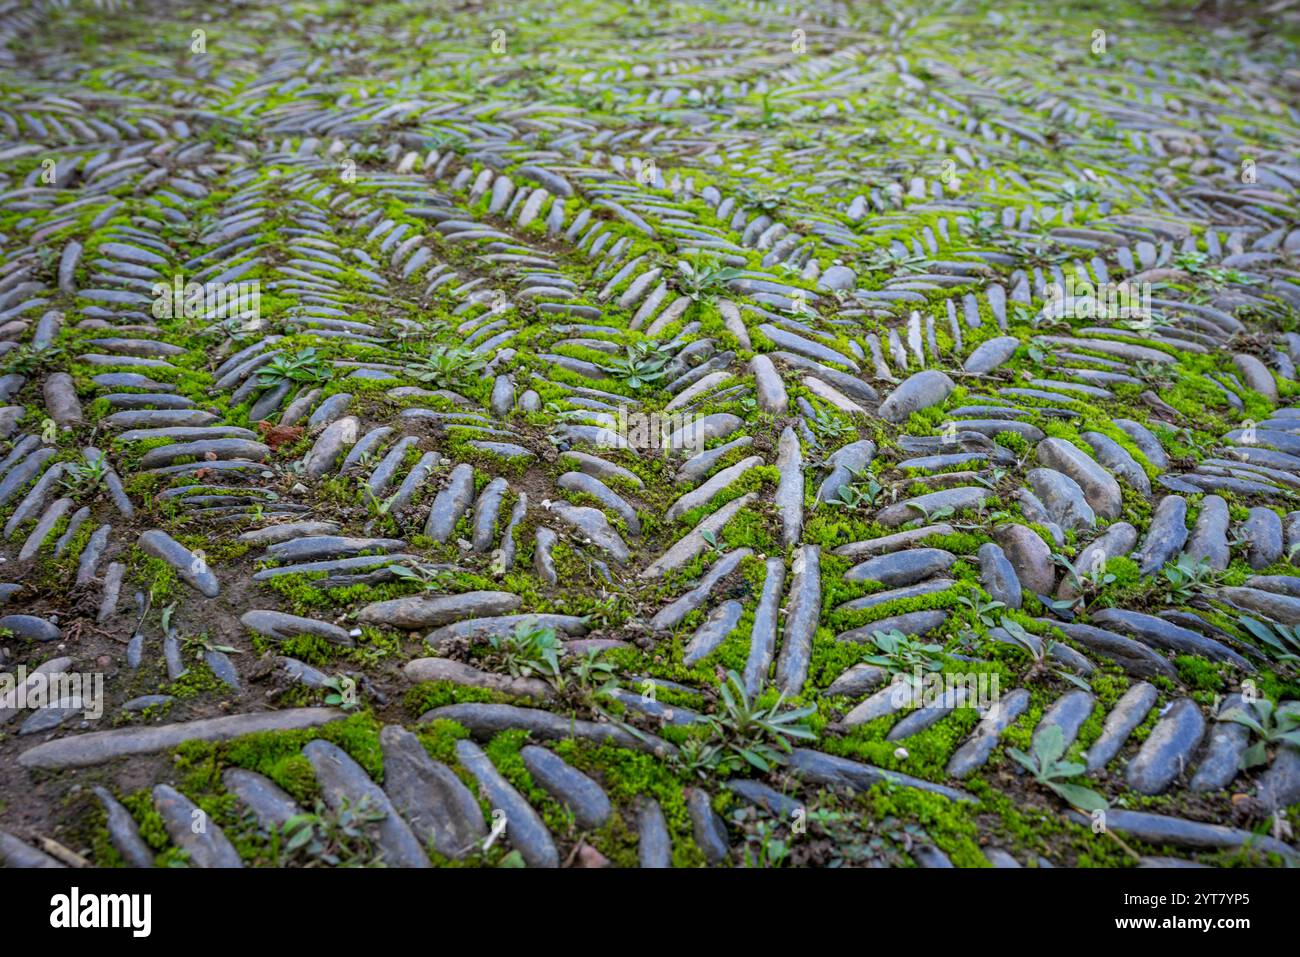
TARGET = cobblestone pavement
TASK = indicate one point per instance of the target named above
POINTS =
(648, 435)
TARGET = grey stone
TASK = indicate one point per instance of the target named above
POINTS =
(271, 806)
(654, 845)
(430, 611)
(712, 632)
(831, 771)
(1029, 555)
(524, 829)
(583, 796)
(344, 782)
(1165, 536)
(1224, 747)
(1102, 491)
(205, 846)
(189, 567)
(123, 832)
(1063, 499)
(441, 811)
(1209, 539)
(902, 568)
(919, 391)
(1068, 713)
(990, 354)
(975, 750)
(1162, 634)
(1129, 711)
(451, 503)
(998, 576)
(486, 720)
(1262, 531)
(802, 615)
(1168, 750)
(84, 750)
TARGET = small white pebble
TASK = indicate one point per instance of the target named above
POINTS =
(900, 753)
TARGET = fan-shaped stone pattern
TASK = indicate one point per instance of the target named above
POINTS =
(351, 387)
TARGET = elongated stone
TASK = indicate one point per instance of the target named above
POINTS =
(486, 513)
(451, 503)
(769, 799)
(1165, 536)
(801, 619)
(272, 807)
(61, 400)
(1168, 750)
(762, 640)
(1068, 713)
(789, 490)
(1133, 656)
(1209, 539)
(902, 568)
(1279, 607)
(430, 611)
(334, 441)
(832, 771)
(846, 462)
(998, 575)
(917, 720)
(919, 507)
(694, 542)
(204, 450)
(1129, 711)
(1262, 531)
(608, 498)
(523, 827)
(311, 548)
(191, 830)
(895, 542)
(1162, 634)
(344, 782)
(1279, 786)
(712, 488)
(1224, 749)
(579, 793)
(447, 669)
(592, 523)
(1161, 829)
(931, 586)
(710, 635)
(990, 354)
(975, 750)
(83, 750)
(499, 626)
(486, 720)
(857, 681)
(919, 391)
(16, 853)
(1146, 441)
(709, 829)
(769, 389)
(543, 563)
(654, 845)
(1100, 488)
(123, 832)
(190, 568)
(441, 810)
(913, 623)
(1114, 457)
